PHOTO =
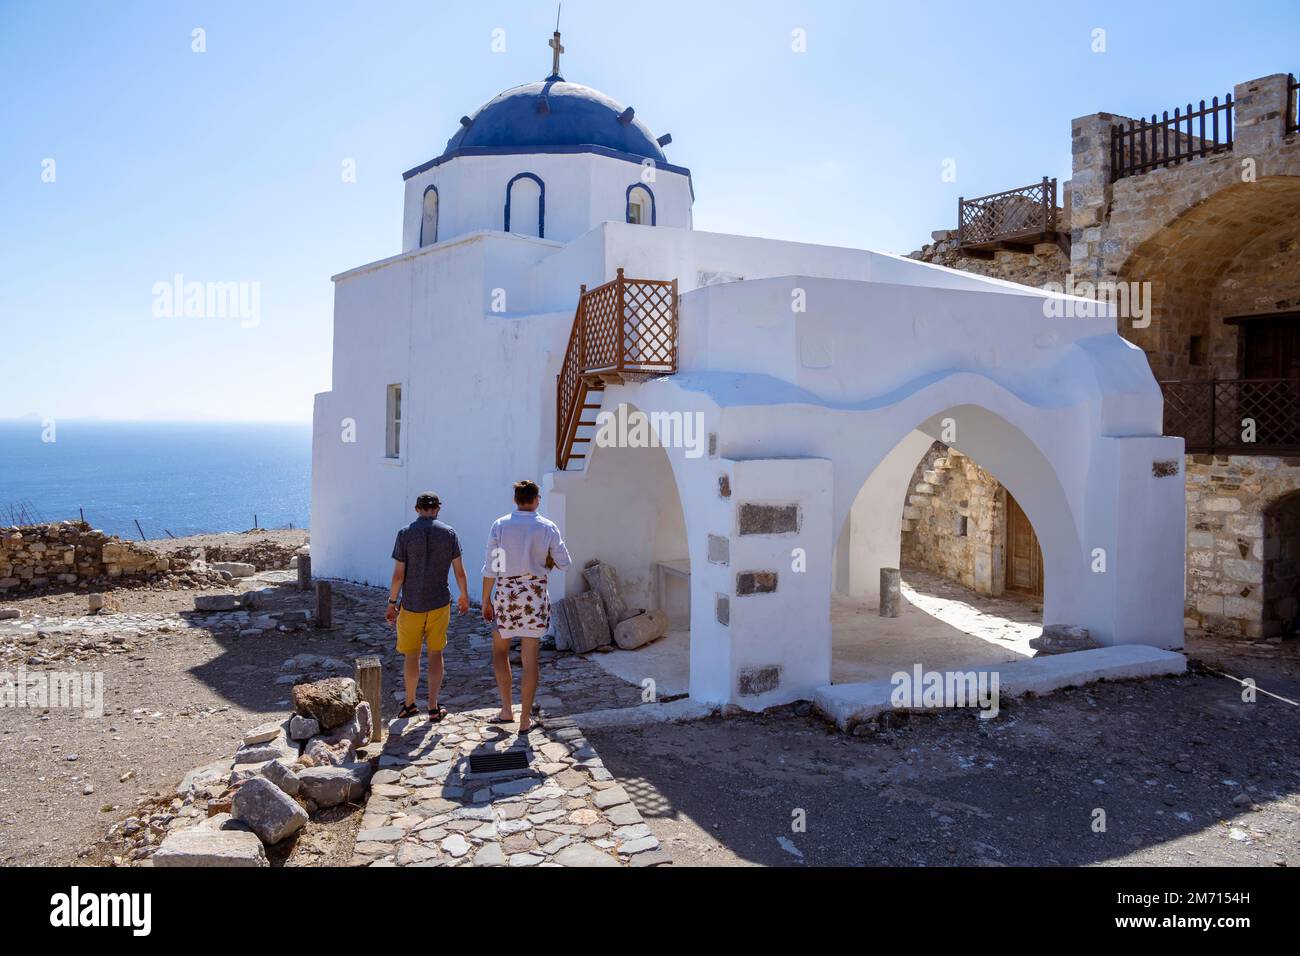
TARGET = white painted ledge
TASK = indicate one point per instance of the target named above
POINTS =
(848, 704)
(640, 716)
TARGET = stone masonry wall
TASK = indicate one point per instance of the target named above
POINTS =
(1231, 546)
(946, 488)
(1047, 264)
(70, 553)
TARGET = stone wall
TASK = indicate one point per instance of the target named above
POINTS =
(70, 553)
(1047, 264)
(1242, 544)
(954, 522)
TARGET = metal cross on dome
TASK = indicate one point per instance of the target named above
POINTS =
(556, 49)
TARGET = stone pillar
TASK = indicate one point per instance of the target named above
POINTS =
(1259, 123)
(1090, 192)
(891, 592)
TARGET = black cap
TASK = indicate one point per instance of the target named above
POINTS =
(428, 501)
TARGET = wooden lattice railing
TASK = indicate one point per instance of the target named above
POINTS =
(1017, 214)
(1248, 416)
(626, 327)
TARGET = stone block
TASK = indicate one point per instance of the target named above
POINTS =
(768, 519)
(283, 776)
(752, 681)
(270, 812)
(332, 701)
(216, 602)
(719, 549)
(601, 579)
(589, 625)
(236, 569)
(1062, 639)
(278, 747)
(330, 786)
(755, 582)
(199, 846)
(722, 608)
(303, 728)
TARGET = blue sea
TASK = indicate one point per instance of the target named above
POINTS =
(177, 477)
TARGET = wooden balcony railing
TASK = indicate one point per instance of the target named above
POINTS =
(1168, 140)
(1249, 416)
(1018, 216)
(624, 328)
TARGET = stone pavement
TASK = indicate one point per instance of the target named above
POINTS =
(426, 808)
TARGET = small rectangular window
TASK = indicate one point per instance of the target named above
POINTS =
(634, 213)
(1196, 350)
(393, 446)
(963, 526)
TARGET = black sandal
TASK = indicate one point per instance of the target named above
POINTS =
(407, 712)
(437, 713)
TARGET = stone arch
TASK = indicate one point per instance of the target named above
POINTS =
(1010, 455)
(1212, 261)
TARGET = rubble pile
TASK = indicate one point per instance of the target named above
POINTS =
(284, 771)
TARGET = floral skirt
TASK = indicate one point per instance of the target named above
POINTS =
(521, 606)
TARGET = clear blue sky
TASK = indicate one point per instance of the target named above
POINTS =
(225, 165)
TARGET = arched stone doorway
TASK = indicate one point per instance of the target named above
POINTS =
(1229, 257)
(1281, 549)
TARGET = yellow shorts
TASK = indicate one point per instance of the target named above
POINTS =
(415, 627)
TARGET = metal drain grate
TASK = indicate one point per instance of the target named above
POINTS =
(505, 760)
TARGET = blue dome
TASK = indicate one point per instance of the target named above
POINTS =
(553, 113)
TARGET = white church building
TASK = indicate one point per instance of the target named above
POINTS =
(550, 278)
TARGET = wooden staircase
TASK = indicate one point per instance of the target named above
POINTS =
(624, 330)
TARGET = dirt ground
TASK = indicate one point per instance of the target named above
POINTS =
(1185, 772)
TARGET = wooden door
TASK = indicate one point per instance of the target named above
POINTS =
(1270, 348)
(1024, 557)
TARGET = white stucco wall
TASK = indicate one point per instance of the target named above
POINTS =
(1062, 411)
(582, 191)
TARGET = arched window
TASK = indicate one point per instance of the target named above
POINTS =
(526, 205)
(429, 217)
(640, 205)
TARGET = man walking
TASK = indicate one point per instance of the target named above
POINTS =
(521, 548)
(424, 551)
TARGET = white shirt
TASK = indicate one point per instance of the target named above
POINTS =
(519, 543)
